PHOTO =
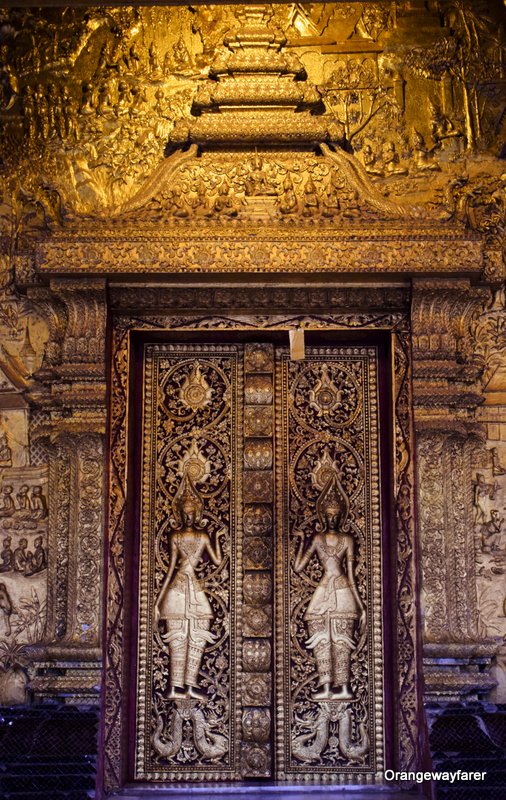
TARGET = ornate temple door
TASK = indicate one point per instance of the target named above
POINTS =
(260, 648)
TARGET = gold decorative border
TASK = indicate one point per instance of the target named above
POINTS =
(408, 701)
(258, 249)
(408, 665)
(115, 681)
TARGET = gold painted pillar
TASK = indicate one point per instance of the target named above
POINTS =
(69, 395)
(449, 442)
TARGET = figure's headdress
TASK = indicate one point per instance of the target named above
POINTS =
(187, 495)
(333, 496)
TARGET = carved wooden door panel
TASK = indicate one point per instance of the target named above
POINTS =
(330, 646)
(260, 501)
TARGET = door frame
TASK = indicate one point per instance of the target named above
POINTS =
(391, 318)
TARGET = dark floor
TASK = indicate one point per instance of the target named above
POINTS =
(49, 752)
(266, 792)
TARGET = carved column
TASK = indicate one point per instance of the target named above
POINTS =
(446, 396)
(71, 398)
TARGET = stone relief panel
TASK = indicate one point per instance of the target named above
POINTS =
(23, 557)
(489, 485)
(24, 498)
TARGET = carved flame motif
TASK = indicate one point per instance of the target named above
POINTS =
(195, 392)
(325, 396)
(324, 469)
(195, 464)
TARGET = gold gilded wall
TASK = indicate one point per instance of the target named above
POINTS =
(339, 138)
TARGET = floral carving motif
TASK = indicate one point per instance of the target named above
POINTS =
(257, 520)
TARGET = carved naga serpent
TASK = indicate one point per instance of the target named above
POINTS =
(210, 745)
(309, 746)
(354, 752)
(171, 743)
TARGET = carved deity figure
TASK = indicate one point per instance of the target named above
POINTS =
(256, 181)
(335, 607)
(182, 603)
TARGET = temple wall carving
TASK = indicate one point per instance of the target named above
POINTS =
(249, 168)
(489, 485)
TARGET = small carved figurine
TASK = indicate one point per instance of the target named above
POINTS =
(492, 533)
(391, 160)
(310, 199)
(24, 509)
(8, 508)
(443, 129)
(483, 492)
(288, 199)
(5, 451)
(38, 561)
(370, 161)
(6, 555)
(423, 156)
(5, 608)
(22, 557)
(38, 503)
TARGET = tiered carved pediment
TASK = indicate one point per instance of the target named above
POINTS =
(276, 186)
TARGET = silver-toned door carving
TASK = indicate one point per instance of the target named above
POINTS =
(188, 713)
(329, 562)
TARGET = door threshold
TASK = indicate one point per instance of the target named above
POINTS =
(264, 791)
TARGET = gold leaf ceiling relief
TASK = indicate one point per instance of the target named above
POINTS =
(239, 115)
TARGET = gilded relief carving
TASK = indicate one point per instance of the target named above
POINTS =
(125, 120)
(182, 604)
(381, 156)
